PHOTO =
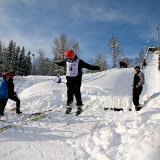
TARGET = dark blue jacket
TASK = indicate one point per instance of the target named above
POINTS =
(3, 89)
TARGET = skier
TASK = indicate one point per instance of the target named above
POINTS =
(12, 94)
(137, 87)
(74, 78)
(3, 92)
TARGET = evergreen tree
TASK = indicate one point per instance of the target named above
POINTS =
(22, 62)
(1, 56)
(28, 67)
(16, 60)
(33, 71)
(12, 58)
(8, 59)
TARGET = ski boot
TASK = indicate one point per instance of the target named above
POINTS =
(138, 108)
(19, 112)
(79, 111)
(68, 110)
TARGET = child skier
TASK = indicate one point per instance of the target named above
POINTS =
(74, 78)
(3, 92)
(137, 87)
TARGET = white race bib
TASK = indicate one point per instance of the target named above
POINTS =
(72, 68)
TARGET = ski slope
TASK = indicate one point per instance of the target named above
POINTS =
(94, 135)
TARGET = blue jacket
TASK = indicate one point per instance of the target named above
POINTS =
(3, 89)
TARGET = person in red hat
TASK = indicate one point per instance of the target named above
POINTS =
(3, 92)
(74, 67)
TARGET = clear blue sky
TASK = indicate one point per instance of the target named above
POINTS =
(36, 23)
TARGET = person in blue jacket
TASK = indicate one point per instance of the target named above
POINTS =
(3, 92)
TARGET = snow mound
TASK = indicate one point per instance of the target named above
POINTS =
(94, 135)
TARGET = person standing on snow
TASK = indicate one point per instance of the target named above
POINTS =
(12, 94)
(3, 92)
(74, 78)
(137, 87)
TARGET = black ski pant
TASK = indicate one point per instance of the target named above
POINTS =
(136, 94)
(17, 100)
(3, 103)
(73, 89)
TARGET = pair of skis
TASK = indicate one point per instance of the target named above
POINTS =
(26, 118)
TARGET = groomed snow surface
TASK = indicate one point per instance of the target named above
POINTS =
(95, 134)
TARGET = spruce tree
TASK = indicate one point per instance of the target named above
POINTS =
(8, 59)
(22, 62)
(28, 67)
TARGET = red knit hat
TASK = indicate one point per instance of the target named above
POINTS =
(69, 54)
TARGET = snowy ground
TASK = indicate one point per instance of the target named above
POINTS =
(94, 135)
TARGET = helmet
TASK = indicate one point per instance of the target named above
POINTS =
(5, 74)
(69, 54)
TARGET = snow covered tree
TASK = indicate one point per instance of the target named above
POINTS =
(43, 65)
(116, 51)
(100, 61)
(62, 44)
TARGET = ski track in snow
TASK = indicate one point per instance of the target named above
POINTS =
(95, 134)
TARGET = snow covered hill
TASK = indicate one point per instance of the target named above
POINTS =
(94, 135)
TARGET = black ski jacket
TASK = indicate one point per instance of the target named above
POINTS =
(81, 65)
(138, 79)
